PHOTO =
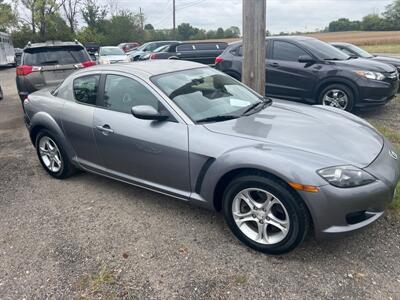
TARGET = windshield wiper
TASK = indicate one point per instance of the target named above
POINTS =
(218, 118)
(264, 102)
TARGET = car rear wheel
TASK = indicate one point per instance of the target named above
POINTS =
(52, 157)
(338, 96)
(265, 215)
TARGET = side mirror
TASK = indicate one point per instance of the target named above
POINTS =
(146, 112)
(306, 59)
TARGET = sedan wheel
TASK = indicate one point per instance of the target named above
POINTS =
(50, 154)
(52, 157)
(261, 216)
(265, 214)
(336, 98)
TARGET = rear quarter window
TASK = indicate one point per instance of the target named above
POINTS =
(54, 56)
(86, 88)
(186, 47)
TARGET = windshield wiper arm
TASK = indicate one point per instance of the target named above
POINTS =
(264, 102)
(218, 118)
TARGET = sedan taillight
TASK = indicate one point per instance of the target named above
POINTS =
(26, 70)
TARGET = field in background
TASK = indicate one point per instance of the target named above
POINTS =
(361, 38)
(376, 41)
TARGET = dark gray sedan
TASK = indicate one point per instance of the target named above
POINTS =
(274, 168)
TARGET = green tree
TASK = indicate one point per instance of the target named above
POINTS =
(8, 17)
(392, 16)
(148, 27)
(122, 27)
(186, 31)
(220, 33)
(93, 15)
(344, 24)
(373, 22)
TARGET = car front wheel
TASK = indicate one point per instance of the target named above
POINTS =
(52, 156)
(339, 96)
(264, 214)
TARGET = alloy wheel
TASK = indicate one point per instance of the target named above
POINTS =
(50, 154)
(261, 216)
(336, 98)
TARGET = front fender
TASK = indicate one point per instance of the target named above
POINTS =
(287, 164)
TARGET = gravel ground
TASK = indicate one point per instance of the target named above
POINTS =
(89, 237)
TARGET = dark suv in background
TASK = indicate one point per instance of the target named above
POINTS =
(201, 52)
(48, 64)
(305, 69)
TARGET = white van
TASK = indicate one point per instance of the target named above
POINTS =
(7, 53)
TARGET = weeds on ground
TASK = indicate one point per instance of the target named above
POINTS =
(382, 48)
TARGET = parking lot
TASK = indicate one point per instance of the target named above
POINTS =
(89, 237)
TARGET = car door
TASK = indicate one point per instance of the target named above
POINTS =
(286, 77)
(77, 117)
(150, 153)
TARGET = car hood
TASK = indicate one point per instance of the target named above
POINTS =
(324, 132)
(365, 64)
(114, 57)
(389, 60)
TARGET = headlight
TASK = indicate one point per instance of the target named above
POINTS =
(371, 75)
(346, 176)
(104, 61)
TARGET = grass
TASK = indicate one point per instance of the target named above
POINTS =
(96, 284)
(389, 48)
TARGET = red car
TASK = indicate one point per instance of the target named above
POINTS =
(126, 47)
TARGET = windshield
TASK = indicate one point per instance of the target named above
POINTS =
(323, 50)
(111, 51)
(206, 93)
(161, 49)
(360, 52)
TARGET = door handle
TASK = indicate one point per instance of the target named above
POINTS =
(276, 65)
(105, 129)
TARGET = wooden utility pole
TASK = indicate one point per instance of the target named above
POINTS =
(174, 18)
(141, 18)
(254, 33)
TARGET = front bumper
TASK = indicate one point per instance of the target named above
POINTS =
(376, 93)
(337, 211)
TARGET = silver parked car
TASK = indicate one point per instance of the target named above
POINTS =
(111, 55)
(274, 168)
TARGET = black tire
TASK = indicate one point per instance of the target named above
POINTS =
(67, 169)
(345, 89)
(296, 210)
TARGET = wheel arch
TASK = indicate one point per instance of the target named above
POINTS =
(336, 80)
(226, 178)
(43, 121)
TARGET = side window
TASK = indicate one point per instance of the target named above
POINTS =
(85, 89)
(240, 50)
(347, 51)
(122, 93)
(287, 51)
(185, 47)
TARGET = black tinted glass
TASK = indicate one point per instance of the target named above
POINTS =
(287, 51)
(324, 50)
(85, 89)
(54, 56)
(122, 93)
(187, 47)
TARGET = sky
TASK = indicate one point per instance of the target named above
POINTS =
(282, 15)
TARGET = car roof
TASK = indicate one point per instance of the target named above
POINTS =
(340, 44)
(146, 68)
(109, 47)
(280, 38)
(52, 44)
